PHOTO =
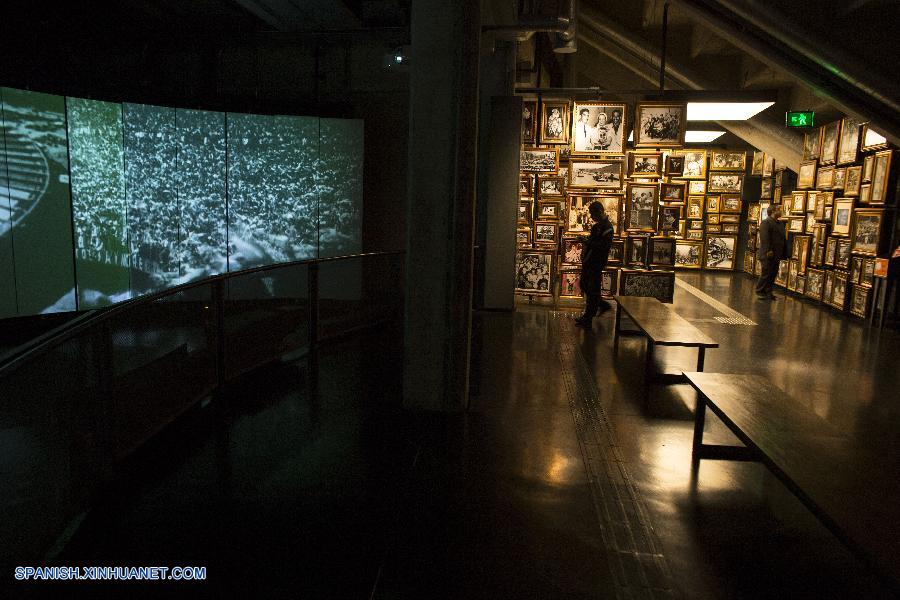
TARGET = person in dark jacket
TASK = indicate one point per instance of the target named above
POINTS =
(594, 254)
(772, 245)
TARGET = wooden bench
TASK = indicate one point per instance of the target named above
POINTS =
(662, 326)
(850, 484)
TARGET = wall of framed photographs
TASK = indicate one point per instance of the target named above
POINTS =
(672, 207)
(839, 211)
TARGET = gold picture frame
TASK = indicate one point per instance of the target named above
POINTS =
(659, 125)
(726, 160)
(554, 122)
(592, 133)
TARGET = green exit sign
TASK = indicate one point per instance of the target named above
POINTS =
(800, 118)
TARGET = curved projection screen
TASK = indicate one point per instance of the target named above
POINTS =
(101, 202)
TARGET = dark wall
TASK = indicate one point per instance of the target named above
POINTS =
(223, 59)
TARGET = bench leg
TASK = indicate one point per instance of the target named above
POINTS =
(699, 422)
(701, 356)
(616, 328)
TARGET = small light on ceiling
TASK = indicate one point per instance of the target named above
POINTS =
(701, 137)
(724, 111)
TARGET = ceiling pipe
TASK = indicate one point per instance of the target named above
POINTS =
(564, 26)
(566, 42)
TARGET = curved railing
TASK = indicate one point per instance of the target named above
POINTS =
(77, 401)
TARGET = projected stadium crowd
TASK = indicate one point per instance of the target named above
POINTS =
(101, 202)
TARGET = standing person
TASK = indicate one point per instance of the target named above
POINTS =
(772, 245)
(594, 254)
(615, 125)
(585, 134)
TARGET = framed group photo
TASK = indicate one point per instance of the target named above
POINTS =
(659, 125)
(598, 127)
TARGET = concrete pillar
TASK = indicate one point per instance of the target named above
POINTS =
(440, 213)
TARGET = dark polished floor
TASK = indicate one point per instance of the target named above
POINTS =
(296, 488)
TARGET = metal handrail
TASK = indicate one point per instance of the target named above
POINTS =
(54, 338)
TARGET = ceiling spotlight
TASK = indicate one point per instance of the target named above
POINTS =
(396, 59)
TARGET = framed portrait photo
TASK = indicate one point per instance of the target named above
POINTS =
(670, 218)
(659, 125)
(540, 160)
(529, 120)
(830, 138)
(534, 273)
(865, 193)
(641, 202)
(589, 173)
(598, 127)
(674, 165)
(672, 193)
(636, 250)
(859, 303)
(695, 207)
(868, 167)
(713, 203)
(866, 231)
(647, 165)
(766, 188)
(824, 178)
(525, 182)
(570, 283)
(722, 160)
(853, 181)
(524, 213)
(609, 282)
(843, 211)
(759, 157)
(848, 141)
(839, 291)
(572, 246)
(694, 163)
(720, 250)
(555, 122)
(815, 283)
(880, 176)
(768, 167)
(806, 178)
(798, 202)
(839, 178)
(812, 144)
(731, 183)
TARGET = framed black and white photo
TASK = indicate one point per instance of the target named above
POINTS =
(652, 284)
(540, 160)
(672, 193)
(587, 173)
(551, 186)
(731, 203)
(688, 254)
(843, 211)
(852, 182)
(546, 234)
(647, 165)
(609, 282)
(524, 212)
(880, 176)
(812, 144)
(674, 165)
(554, 122)
(641, 202)
(529, 119)
(866, 233)
(525, 185)
(694, 163)
(662, 252)
(766, 188)
(570, 284)
(534, 273)
(829, 143)
(659, 125)
(571, 249)
(806, 178)
(636, 251)
(696, 187)
(759, 158)
(549, 210)
(695, 207)
(721, 160)
(670, 218)
(848, 145)
(598, 127)
(720, 250)
(731, 183)
(523, 237)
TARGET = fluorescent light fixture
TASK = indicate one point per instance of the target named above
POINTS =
(701, 137)
(724, 111)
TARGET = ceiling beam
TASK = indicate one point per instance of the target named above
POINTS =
(639, 56)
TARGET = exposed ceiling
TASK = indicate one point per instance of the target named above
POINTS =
(834, 57)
